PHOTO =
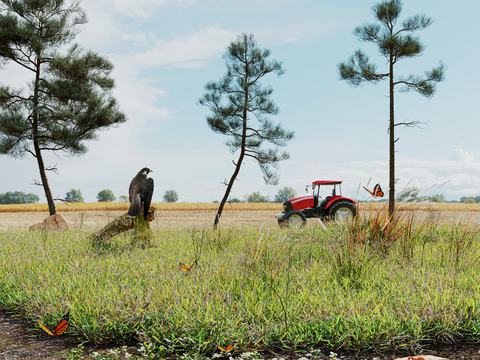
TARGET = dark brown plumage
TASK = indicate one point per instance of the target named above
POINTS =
(140, 193)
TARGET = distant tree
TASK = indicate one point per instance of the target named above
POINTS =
(105, 196)
(256, 197)
(18, 197)
(237, 100)
(234, 200)
(409, 194)
(439, 198)
(74, 195)
(123, 198)
(284, 194)
(467, 200)
(67, 98)
(170, 196)
(393, 44)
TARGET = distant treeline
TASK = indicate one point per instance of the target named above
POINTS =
(18, 197)
(470, 199)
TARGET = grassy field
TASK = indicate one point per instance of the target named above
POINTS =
(373, 284)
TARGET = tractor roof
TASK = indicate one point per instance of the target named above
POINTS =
(326, 182)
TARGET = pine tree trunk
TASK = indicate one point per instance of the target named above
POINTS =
(46, 187)
(391, 192)
(227, 192)
(36, 140)
(240, 158)
(143, 235)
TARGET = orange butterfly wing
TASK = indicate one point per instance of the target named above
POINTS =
(378, 191)
(371, 193)
(60, 328)
(46, 329)
(227, 349)
(185, 268)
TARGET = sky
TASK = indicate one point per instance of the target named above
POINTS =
(165, 51)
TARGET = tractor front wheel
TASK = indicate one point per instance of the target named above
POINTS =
(342, 211)
(295, 219)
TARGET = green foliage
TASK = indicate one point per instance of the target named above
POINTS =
(105, 195)
(285, 193)
(18, 197)
(68, 98)
(245, 99)
(234, 200)
(409, 194)
(438, 198)
(74, 195)
(170, 196)
(470, 199)
(123, 198)
(256, 197)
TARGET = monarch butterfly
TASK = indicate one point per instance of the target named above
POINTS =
(185, 268)
(227, 349)
(377, 191)
(60, 328)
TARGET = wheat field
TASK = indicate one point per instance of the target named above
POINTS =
(93, 216)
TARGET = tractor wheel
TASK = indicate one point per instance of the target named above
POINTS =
(342, 211)
(281, 223)
(295, 219)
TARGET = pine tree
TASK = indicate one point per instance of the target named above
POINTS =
(394, 44)
(240, 107)
(69, 97)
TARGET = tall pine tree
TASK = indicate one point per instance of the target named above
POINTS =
(241, 106)
(394, 43)
(69, 96)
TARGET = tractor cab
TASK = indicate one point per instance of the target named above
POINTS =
(316, 185)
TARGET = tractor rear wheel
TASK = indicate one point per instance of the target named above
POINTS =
(342, 211)
(295, 219)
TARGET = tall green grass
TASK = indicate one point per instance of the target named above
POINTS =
(375, 283)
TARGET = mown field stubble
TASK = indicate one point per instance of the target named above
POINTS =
(370, 285)
(89, 216)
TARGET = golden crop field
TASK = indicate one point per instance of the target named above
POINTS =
(93, 216)
(123, 206)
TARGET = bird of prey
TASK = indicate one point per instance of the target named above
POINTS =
(140, 193)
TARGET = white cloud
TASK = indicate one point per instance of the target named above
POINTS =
(461, 155)
(143, 8)
(185, 51)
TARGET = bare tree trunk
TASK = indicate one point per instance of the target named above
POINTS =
(143, 234)
(227, 192)
(36, 140)
(391, 192)
(240, 158)
(46, 187)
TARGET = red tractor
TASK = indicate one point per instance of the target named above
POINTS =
(334, 207)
